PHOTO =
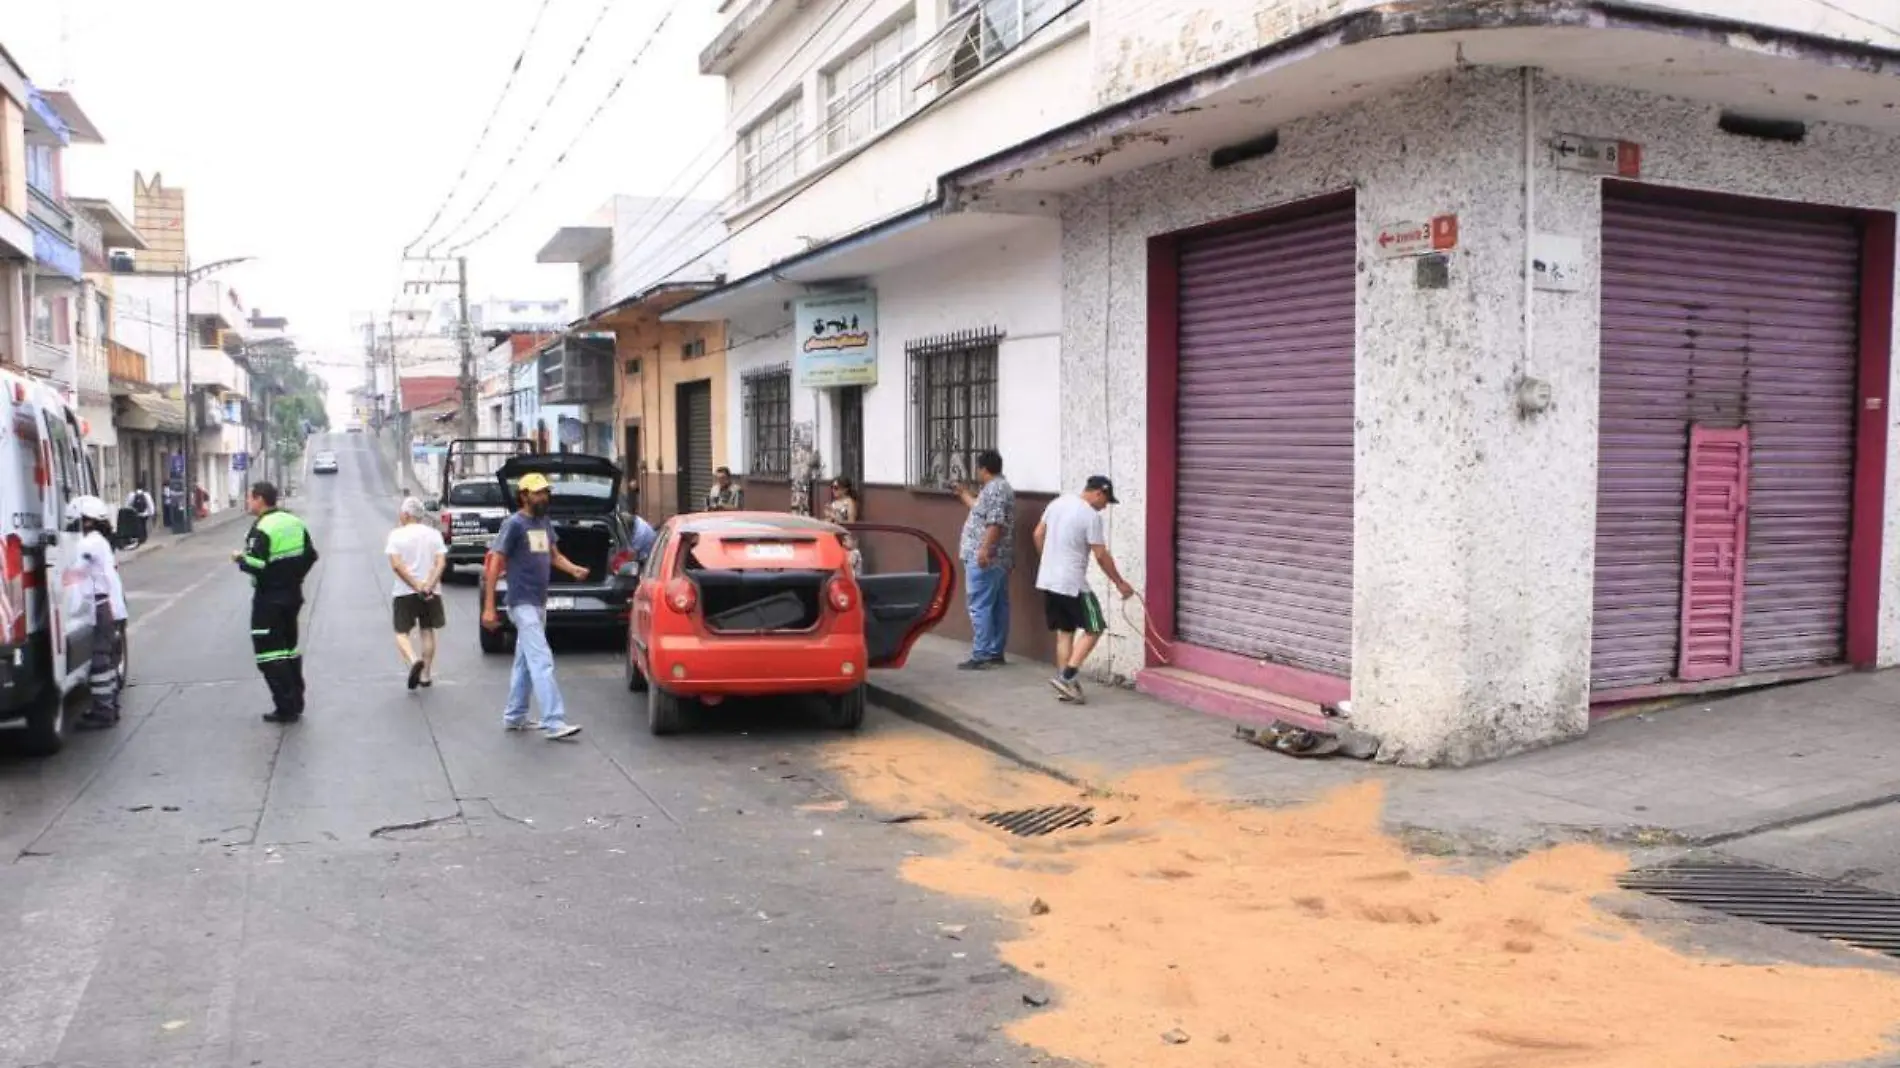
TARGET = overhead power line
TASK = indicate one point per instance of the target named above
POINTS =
(528, 134)
(769, 85)
(488, 126)
(599, 110)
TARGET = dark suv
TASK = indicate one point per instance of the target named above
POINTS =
(585, 512)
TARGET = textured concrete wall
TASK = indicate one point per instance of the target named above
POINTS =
(1140, 44)
(1474, 525)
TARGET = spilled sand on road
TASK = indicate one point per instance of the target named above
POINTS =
(1308, 936)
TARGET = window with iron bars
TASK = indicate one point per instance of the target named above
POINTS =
(980, 32)
(768, 422)
(952, 405)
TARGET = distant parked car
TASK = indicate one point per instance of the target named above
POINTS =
(764, 604)
(323, 463)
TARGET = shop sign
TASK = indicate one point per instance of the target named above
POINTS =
(836, 339)
(1418, 237)
(1598, 155)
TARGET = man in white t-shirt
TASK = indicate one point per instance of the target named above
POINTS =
(1070, 532)
(417, 555)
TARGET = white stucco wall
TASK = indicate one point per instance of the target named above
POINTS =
(1474, 526)
(1043, 85)
(1012, 284)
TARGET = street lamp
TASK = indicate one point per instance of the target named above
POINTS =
(188, 513)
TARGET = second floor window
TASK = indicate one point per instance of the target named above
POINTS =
(768, 152)
(42, 169)
(869, 90)
(980, 32)
(768, 424)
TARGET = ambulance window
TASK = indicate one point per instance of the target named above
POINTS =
(60, 443)
(84, 478)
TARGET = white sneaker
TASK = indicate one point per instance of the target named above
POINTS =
(560, 734)
(524, 725)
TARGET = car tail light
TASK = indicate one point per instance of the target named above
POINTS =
(447, 522)
(682, 595)
(839, 593)
(13, 589)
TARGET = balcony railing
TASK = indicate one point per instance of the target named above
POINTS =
(125, 364)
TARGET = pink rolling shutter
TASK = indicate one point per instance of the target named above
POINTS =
(1714, 546)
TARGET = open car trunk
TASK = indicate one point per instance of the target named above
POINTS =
(760, 601)
(587, 542)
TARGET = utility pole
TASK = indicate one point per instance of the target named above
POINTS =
(463, 333)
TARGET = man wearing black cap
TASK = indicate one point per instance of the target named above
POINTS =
(1071, 531)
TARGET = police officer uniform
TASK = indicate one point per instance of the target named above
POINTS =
(278, 553)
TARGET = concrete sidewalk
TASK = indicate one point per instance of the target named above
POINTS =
(216, 521)
(1698, 774)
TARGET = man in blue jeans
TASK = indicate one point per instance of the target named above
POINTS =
(988, 552)
(525, 549)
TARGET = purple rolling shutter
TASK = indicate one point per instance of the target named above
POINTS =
(1263, 537)
(1724, 318)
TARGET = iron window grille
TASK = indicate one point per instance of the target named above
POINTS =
(768, 420)
(952, 404)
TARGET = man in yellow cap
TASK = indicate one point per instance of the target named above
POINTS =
(525, 550)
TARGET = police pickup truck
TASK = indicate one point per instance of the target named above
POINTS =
(473, 504)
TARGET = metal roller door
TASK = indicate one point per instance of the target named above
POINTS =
(1716, 318)
(694, 405)
(1263, 536)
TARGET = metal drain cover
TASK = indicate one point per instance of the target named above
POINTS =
(1032, 822)
(1869, 919)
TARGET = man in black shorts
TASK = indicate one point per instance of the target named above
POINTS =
(1071, 531)
(417, 555)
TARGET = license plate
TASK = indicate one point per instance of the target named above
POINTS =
(768, 552)
(557, 604)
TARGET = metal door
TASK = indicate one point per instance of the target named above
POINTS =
(1263, 538)
(1724, 317)
(1714, 548)
(694, 406)
(851, 434)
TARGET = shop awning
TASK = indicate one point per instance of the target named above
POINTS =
(149, 411)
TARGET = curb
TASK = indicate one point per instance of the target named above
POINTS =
(941, 719)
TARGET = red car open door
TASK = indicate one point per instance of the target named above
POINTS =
(906, 579)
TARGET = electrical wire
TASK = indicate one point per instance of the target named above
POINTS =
(488, 126)
(598, 111)
(527, 135)
(769, 85)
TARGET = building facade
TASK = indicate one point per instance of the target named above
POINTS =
(648, 393)
(16, 229)
(869, 332)
(1482, 366)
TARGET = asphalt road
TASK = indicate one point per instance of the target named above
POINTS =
(397, 882)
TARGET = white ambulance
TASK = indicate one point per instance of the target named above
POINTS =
(45, 633)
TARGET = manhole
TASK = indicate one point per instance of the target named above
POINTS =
(1843, 912)
(1032, 822)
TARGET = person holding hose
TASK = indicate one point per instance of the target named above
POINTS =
(97, 578)
(277, 554)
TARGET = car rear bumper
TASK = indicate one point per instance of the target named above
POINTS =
(757, 666)
(472, 553)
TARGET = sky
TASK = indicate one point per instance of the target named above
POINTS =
(322, 137)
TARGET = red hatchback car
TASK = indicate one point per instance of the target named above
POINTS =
(766, 604)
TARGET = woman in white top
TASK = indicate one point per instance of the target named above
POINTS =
(417, 555)
(96, 581)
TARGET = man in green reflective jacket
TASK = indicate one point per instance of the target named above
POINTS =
(277, 554)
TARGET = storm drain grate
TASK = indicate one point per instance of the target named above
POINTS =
(1843, 912)
(1032, 822)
